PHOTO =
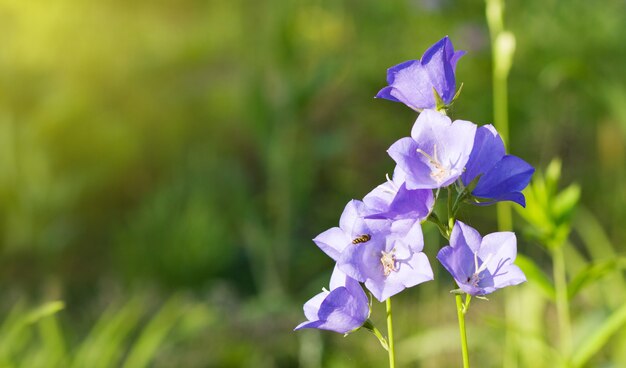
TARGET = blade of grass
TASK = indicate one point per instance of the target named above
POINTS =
(153, 335)
(103, 347)
(592, 344)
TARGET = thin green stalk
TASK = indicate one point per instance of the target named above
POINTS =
(502, 48)
(461, 309)
(450, 214)
(392, 356)
(505, 217)
(435, 220)
(562, 302)
(369, 325)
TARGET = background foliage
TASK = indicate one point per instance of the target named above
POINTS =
(164, 165)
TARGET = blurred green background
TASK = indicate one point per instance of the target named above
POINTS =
(164, 165)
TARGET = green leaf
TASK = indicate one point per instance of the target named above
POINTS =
(593, 273)
(553, 175)
(594, 342)
(440, 104)
(565, 202)
(44, 311)
(457, 94)
(536, 276)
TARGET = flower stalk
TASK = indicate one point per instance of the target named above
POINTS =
(562, 301)
(368, 325)
(392, 354)
(461, 309)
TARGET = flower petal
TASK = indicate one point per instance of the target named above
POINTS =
(415, 271)
(386, 94)
(513, 276)
(509, 175)
(362, 261)
(488, 149)
(436, 62)
(464, 235)
(351, 221)
(455, 58)
(332, 241)
(404, 153)
(499, 248)
(413, 86)
(312, 306)
(342, 312)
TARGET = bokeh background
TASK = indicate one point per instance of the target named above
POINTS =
(164, 165)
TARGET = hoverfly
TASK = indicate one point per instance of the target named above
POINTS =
(362, 239)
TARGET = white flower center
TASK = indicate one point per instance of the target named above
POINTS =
(475, 278)
(388, 260)
(439, 172)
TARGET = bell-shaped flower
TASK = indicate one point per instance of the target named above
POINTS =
(412, 82)
(481, 265)
(437, 151)
(352, 230)
(502, 177)
(342, 309)
(389, 264)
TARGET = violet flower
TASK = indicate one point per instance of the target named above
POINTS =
(503, 177)
(390, 266)
(342, 309)
(437, 151)
(481, 265)
(412, 82)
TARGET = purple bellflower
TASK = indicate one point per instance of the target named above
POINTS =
(481, 265)
(412, 82)
(387, 267)
(389, 264)
(437, 151)
(342, 309)
(502, 177)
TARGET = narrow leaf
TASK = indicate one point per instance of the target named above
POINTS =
(593, 273)
(594, 342)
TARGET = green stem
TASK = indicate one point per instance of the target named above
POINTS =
(368, 325)
(435, 220)
(505, 217)
(392, 356)
(562, 302)
(502, 48)
(457, 202)
(461, 309)
(450, 214)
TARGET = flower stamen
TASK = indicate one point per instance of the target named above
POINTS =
(475, 278)
(439, 172)
(388, 260)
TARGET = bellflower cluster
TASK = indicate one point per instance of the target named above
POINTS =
(379, 241)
